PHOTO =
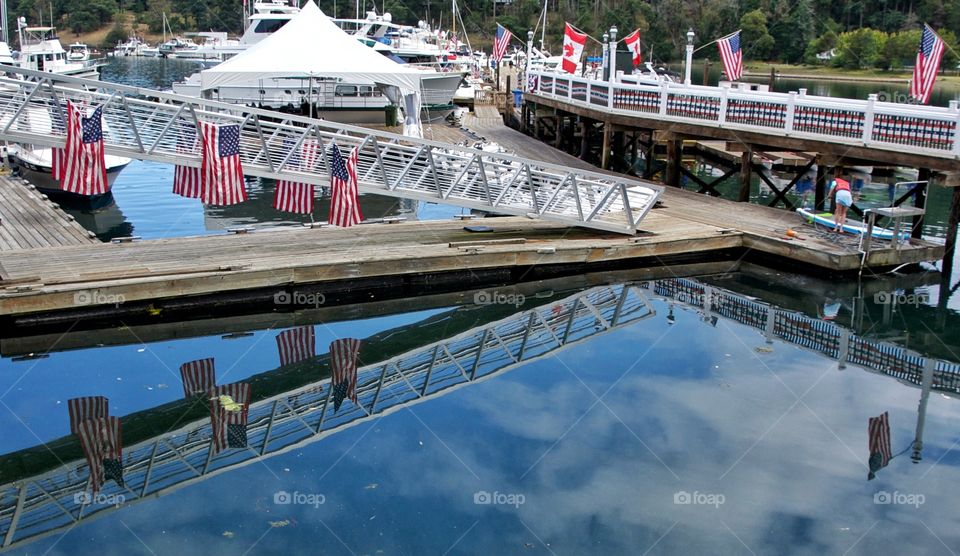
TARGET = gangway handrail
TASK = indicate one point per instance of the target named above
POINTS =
(165, 130)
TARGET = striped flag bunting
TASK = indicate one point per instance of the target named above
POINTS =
(296, 344)
(878, 431)
(229, 406)
(221, 169)
(80, 165)
(187, 179)
(731, 55)
(83, 409)
(928, 64)
(102, 444)
(501, 42)
(198, 376)
(292, 196)
(343, 361)
(344, 195)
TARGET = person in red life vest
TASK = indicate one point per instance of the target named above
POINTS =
(841, 190)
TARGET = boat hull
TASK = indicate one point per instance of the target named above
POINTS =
(40, 174)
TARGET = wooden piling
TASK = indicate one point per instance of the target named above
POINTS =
(674, 161)
(746, 169)
(920, 200)
(605, 153)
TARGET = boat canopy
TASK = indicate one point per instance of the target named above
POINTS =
(311, 45)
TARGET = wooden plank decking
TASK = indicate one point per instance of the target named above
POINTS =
(29, 220)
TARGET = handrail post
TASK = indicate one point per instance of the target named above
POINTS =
(955, 108)
(570, 88)
(791, 108)
(868, 118)
(610, 91)
(724, 103)
(589, 91)
(664, 93)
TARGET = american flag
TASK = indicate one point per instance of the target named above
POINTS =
(228, 421)
(732, 56)
(102, 443)
(198, 376)
(878, 431)
(82, 168)
(344, 196)
(222, 171)
(292, 196)
(186, 179)
(501, 42)
(343, 361)
(296, 344)
(927, 66)
(82, 409)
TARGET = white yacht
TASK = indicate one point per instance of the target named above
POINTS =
(78, 52)
(335, 100)
(177, 47)
(40, 50)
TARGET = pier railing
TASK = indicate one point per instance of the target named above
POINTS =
(926, 130)
(824, 337)
(54, 501)
(152, 125)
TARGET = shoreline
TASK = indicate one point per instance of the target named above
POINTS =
(834, 77)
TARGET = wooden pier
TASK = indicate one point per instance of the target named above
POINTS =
(28, 220)
(94, 275)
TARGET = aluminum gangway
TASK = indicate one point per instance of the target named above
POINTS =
(152, 125)
(54, 501)
(820, 336)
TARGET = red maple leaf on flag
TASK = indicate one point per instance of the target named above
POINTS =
(568, 51)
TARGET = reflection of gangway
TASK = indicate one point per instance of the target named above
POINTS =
(825, 338)
(50, 502)
(164, 129)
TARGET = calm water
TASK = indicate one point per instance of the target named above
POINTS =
(630, 440)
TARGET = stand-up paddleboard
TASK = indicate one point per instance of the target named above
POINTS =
(826, 219)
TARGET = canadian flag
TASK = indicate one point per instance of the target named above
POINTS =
(633, 45)
(573, 42)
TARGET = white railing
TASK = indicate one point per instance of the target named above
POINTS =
(150, 125)
(925, 130)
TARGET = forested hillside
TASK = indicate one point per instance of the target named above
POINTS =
(865, 33)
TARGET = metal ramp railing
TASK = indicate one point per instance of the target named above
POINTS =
(53, 501)
(151, 125)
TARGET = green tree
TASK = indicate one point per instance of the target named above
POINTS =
(859, 49)
(755, 39)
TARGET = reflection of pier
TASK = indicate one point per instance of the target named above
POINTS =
(817, 335)
(33, 508)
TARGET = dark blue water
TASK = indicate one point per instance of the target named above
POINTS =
(674, 433)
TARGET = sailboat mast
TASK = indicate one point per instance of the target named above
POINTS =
(3, 22)
(543, 24)
(453, 10)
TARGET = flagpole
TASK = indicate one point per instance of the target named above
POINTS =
(716, 41)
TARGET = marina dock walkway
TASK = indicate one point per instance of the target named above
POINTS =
(83, 274)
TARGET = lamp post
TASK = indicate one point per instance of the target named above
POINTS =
(688, 65)
(613, 54)
(526, 85)
(606, 42)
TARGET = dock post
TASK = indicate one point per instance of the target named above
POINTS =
(949, 250)
(746, 158)
(558, 130)
(584, 138)
(674, 160)
(820, 189)
(649, 157)
(920, 200)
(605, 154)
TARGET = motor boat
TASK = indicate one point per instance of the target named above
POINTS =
(35, 165)
(78, 52)
(40, 50)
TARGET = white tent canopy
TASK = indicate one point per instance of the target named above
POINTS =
(311, 45)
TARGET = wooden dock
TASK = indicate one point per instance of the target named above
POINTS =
(28, 220)
(78, 274)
